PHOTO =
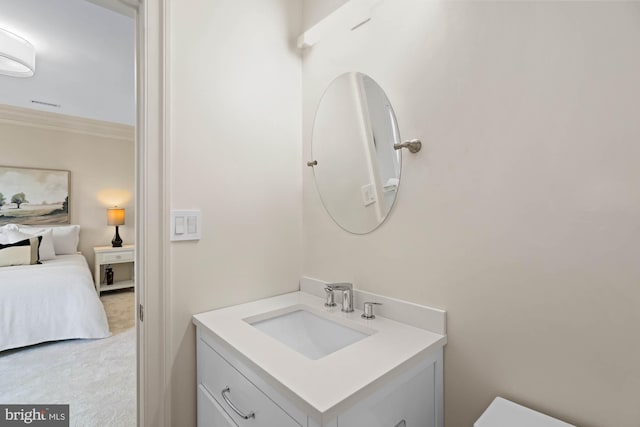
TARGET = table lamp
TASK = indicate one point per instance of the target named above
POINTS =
(115, 216)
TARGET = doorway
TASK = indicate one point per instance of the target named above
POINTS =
(92, 143)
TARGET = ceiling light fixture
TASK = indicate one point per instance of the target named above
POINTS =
(17, 56)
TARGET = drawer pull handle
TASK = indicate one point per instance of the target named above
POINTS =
(237, 411)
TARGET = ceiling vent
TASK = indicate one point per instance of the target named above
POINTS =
(48, 104)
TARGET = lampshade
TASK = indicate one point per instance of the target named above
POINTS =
(115, 216)
(17, 56)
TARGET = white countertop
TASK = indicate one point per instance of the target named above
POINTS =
(322, 386)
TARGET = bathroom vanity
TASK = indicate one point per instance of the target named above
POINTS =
(299, 359)
(291, 361)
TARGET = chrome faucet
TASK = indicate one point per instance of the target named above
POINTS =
(347, 295)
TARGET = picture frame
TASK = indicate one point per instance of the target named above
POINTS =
(34, 196)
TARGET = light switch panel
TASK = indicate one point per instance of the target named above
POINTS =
(185, 225)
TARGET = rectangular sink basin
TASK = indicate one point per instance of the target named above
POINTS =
(306, 332)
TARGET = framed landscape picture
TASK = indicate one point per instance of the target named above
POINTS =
(34, 196)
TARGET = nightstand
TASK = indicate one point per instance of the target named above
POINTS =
(105, 255)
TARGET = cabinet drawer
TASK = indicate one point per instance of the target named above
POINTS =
(210, 414)
(116, 257)
(410, 404)
(217, 375)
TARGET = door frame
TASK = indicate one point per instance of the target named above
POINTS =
(152, 206)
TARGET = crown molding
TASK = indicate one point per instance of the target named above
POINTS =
(60, 122)
(123, 7)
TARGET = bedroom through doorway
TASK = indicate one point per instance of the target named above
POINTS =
(67, 187)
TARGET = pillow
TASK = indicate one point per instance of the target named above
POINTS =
(65, 238)
(46, 250)
(5, 229)
(3, 237)
(24, 252)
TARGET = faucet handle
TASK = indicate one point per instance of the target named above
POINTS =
(339, 286)
(368, 310)
(330, 301)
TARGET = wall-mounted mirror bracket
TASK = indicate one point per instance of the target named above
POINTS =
(413, 145)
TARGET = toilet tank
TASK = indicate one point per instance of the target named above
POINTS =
(504, 413)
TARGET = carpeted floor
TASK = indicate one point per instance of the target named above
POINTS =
(97, 378)
(120, 308)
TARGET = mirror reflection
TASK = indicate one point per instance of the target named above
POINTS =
(358, 171)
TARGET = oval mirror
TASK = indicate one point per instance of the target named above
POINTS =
(358, 171)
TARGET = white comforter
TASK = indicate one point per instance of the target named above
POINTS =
(55, 300)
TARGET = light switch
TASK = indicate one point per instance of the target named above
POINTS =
(185, 225)
(368, 194)
(192, 224)
(179, 225)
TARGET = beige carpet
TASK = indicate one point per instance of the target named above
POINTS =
(97, 378)
(120, 309)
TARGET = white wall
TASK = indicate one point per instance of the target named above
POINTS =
(102, 172)
(235, 121)
(521, 215)
(314, 10)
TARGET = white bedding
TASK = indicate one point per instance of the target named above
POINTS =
(55, 300)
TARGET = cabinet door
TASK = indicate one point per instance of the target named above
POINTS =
(210, 414)
(410, 404)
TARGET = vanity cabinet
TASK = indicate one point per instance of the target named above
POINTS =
(244, 403)
(409, 402)
(412, 399)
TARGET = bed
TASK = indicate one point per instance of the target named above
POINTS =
(55, 300)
